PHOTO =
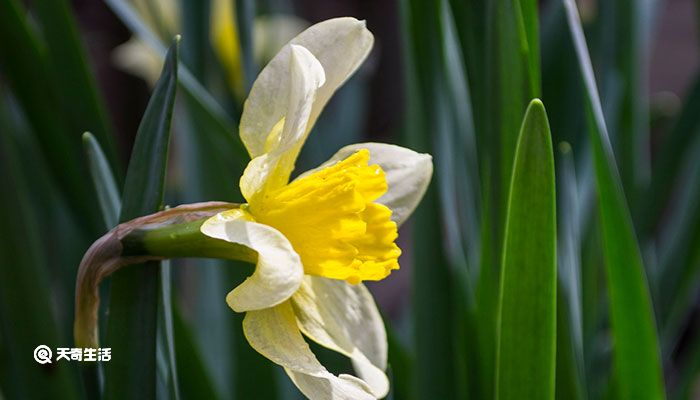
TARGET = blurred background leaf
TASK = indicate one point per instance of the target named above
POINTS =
(637, 353)
(26, 317)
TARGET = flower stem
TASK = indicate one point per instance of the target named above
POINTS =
(172, 233)
(182, 241)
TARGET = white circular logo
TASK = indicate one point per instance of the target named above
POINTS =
(42, 354)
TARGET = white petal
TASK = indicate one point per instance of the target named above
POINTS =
(342, 387)
(274, 333)
(307, 76)
(344, 318)
(278, 272)
(407, 173)
(271, 168)
(339, 44)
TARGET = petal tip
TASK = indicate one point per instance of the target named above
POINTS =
(232, 303)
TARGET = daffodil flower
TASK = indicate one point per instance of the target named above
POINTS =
(314, 240)
(319, 236)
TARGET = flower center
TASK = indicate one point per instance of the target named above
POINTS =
(333, 222)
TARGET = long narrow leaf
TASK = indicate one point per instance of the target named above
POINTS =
(196, 383)
(195, 16)
(103, 179)
(677, 143)
(527, 318)
(177, 336)
(626, 26)
(109, 200)
(569, 385)
(637, 360)
(27, 319)
(569, 244)
(76, 86)
(434, 373)
(679, 254)
(464, 178)
(516, 81)
(23, 62)
(245, 15)
(166, 337)
(133, 303)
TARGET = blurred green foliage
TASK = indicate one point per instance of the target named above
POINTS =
(602, 305)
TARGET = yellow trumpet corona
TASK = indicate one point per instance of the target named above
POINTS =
(333, 221)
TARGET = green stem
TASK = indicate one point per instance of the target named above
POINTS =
(182, 241)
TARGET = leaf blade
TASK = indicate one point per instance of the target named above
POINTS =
(26, 316)
(636, 353)
(23, 61)
(103, 180)
(76, 86)
(131, 329)
(528, 277)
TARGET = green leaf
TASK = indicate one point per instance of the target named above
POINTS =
(636, 353)
(569, 385)
(245, 15)
(516, 79)
(527, 319)
(110, 203)
(26, 315)
(679, 253)
(476, 42)
(569, 320)
(166, 336)
(75, 83)
(625, 24)
(432, 299)
(131, 329)
(434, 375)
(24, 63)
(570, 373)
(400, 364)
(528, 23)
(569, 244)
(196, 383)
(143, 189)
(561, 87)
(487, 298)
(175, 334)
(461, 188)
(672, 153)
(103, 179)
(501, 53)
(195, 15)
